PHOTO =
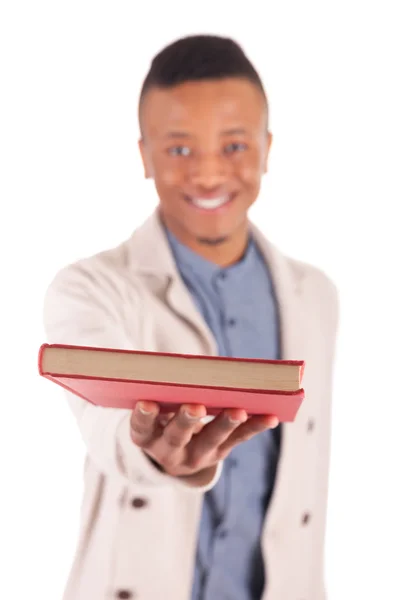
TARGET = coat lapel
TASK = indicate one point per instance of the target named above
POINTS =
(288, 289)
(150, 255)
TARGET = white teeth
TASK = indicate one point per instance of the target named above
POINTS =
(210, 203)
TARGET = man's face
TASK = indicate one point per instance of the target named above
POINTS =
(206, 146)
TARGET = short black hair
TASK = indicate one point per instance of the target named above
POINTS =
(200, 57)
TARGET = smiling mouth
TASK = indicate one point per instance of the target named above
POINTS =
(209, 203)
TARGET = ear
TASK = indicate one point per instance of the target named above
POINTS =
(145, 159)
(267, 150)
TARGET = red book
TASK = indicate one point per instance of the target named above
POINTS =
(120, 378)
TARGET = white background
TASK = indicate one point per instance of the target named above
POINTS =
(71, 185)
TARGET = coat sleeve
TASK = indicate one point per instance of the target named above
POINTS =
(85, 307)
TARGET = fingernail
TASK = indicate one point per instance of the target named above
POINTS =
(145, 412)
(191, 417)
(238, 421)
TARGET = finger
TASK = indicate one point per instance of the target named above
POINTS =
(143, 425)
(179, 431)
(247, 430)
(170, 450)
(216, 432)
(198, 427)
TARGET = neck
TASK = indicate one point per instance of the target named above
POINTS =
(228, 251)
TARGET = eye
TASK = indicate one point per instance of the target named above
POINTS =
(179, 151)
(235, 147)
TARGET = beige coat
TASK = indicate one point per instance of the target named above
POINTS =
(139, 526)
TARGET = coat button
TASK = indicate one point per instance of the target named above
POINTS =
(139, 502)
(306, 518)
(124, 594)
(310, 425)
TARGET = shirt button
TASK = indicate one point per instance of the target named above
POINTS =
(306, 518)
(222, 534)
(222, 276)
(139, 502)
(232, 322)
(124, 594)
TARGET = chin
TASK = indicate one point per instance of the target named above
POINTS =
(213, 241)
(222, 232)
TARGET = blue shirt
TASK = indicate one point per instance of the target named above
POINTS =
(239, 306)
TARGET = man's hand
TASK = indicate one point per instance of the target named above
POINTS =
(182, 445)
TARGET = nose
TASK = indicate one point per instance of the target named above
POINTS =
(209, 171)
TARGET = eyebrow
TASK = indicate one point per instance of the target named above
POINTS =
(185, 135)
(234, 131)
(177, 134)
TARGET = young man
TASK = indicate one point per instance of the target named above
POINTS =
(175, 509)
